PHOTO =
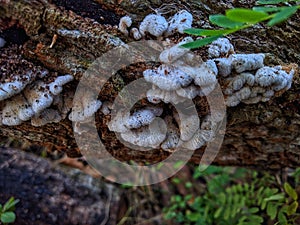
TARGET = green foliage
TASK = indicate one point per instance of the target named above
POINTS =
(240, 18)
(230, 198)
(6, 212)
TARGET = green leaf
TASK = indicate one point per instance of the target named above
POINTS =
(180, 163)
(290, 191)
(255, 219)
(270, 2)
(222, 198)
(8, 217)
(253, 210)
(272, 210)
(283, 15)
(282, 218)
(188, 184)
(292, 208)
(223, 21)
(204, 32)
(176, 180)
(246, 15)
(200, 42)
(218, 212)
(193, 217)
(276, 197)
(9, 205)
(267, 9)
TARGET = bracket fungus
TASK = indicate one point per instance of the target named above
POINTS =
(154, 24)
(179, 22)
(84, 106)
(32, 101)
(220, 47)
(142, 128)
(157, 25)
(246, 77)
(124, 24)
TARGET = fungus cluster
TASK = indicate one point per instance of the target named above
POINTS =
(33, 103)
(181, 76)
(246, 78)
(27, 91)
(142, 128)
(157, 25)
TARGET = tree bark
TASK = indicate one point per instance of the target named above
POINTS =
(264, 135)
(49, 194)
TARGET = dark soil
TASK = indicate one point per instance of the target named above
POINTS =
(14, 35)
(91, 9)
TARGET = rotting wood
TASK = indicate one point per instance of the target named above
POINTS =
(264, 134)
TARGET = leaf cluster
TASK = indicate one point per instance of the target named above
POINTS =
(7, 214)
(228, 200)
(240, 18)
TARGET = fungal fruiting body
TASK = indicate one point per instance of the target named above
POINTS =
(220, 47)
(172, 54)
(154, 24)
(33, 101)
(47, 116)
(15, 86)
(167, 77)
(2, 42)
(150, 136)
(124, 24)
(84, 106)
(179, 22)
(172, 140)
(246, 77)
(142, 128)
(135, 33)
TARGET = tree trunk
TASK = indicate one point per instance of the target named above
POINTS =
(263, 135)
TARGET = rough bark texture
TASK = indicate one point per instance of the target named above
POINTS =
(264, 135)
(51, 195)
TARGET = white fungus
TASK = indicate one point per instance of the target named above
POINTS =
(179, 22)
(149, 136)
(247, 62)
(167, 77)
(35, 98)
(200, 138)
(56, 86)
(189, 92)
(40, 95)
(118, 121)
(124, 24)
(16, 111)
(14, 86)
(84, 110)
(106, 108)
(220, 47)
(188, 125)
(154, 24)
(2, 42)
(224, 66)
(156, 95)
(135, 33)
(275, 77)
(172, 54)
(173, 136)
(142, 118)
(47, 116)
